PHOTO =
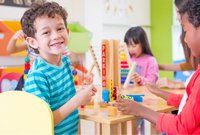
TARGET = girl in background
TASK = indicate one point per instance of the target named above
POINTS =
(139, 50)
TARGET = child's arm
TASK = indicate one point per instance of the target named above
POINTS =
(169, 67)
(81, 98)
(172, 99)
(132, 108)
(186, 122)
(185, 66)
(165, 82)
(156, 91)
(38, 85)
(12, 46)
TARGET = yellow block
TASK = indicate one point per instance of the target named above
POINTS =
(112, 111)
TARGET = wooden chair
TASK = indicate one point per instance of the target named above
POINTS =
(24, 114)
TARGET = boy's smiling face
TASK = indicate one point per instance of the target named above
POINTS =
(192, 36)
(51, 36)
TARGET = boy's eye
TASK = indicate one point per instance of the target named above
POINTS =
(45, 33)
(61, 28)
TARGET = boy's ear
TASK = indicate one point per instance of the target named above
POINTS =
(32, 42)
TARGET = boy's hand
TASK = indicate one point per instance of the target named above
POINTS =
(85, 95)
(136, 78)
(19, 35)
(128, 107)
(88, 79)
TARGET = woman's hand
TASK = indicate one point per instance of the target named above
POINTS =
(128, 107)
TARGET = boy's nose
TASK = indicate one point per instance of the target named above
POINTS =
(55, 35)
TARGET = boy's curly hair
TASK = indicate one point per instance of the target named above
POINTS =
(40, 9)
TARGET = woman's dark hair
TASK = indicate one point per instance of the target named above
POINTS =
(187, 6)
(179, 3)
(138, 35)
(193, 12)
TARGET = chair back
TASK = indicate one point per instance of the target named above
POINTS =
(22, 113)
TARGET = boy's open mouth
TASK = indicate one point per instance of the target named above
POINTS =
(57, 44)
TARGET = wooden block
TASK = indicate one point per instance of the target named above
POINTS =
(117, 76)
(104, 62)
(112, 111)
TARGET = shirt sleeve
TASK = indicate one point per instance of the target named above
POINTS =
(37, 84)
(151, 73)
(185, 66)
(187, 121)
(174, 99)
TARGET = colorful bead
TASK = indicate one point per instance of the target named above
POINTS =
(27, 60)
(26, 71)
(74, 72)
(27, 66)
(25, 76)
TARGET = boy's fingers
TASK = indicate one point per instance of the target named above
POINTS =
(94, 89)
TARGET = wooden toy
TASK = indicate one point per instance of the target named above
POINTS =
(127, 66)
(132, 70)
(111, 67)
(95, 62)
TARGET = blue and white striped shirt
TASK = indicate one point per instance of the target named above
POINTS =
(54, 84)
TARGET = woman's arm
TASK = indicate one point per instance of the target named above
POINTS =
(169, 67)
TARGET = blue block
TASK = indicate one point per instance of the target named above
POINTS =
(105, 96)
(137, 98)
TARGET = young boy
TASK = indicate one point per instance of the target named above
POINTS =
(188, 120)
(50, 76)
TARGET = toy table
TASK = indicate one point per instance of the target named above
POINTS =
(118, 124)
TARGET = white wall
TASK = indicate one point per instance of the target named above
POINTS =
(176, 44)
(11, 13)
